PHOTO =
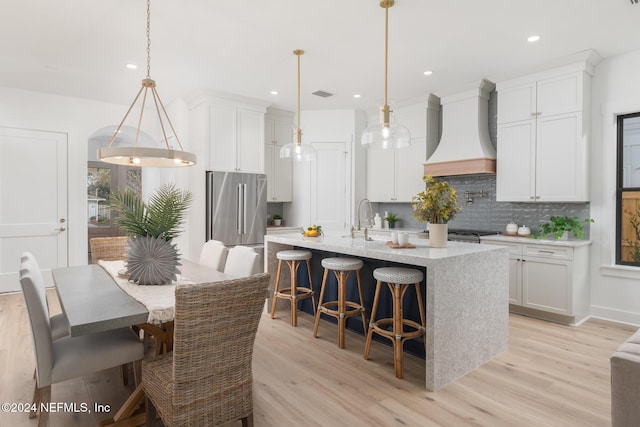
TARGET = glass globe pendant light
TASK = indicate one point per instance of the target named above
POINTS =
(297, 150)
(386, 135)
(136, 154)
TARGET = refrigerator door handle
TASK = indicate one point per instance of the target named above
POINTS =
(240, 209)
(244, 208)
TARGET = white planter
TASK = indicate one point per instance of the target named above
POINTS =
(438, 235)
(277, 222)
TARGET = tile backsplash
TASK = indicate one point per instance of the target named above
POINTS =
(485, 213)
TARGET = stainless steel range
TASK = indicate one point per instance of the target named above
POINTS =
(469, 236)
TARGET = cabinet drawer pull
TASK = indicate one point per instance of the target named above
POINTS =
(546, 252)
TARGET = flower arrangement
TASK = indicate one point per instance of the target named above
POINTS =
(437, 204)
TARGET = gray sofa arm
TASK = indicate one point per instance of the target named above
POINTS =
(625, 383)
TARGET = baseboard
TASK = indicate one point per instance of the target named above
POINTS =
(618, 316)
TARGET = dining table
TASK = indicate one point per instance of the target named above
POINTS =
(99, 297)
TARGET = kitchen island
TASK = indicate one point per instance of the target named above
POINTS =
(466, 298)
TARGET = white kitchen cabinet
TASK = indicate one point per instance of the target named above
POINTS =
(396, 175)
(279, 182)
(542, 137)
(231, 131)
(236, 139)
(547, 278)
(515, 271)
(278, 132)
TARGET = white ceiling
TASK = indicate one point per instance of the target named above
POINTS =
(80, 47)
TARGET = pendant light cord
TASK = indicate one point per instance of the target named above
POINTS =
(386, 48)
(299, 139)
(148, 39)
(298, 136)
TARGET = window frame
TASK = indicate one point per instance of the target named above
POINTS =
(620, 189)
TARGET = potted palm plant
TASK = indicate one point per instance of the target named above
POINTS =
(152, 258)
(437, 205)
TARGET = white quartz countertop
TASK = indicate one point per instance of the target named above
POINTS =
(423, 254)
(499, 238)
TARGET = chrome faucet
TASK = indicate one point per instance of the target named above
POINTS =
(370, 218)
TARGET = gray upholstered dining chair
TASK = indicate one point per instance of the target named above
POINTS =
(242, 261)
(68, 357)
(207, 378)
(214, 254)
(59, 324)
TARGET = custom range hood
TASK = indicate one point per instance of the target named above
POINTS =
(465, 147)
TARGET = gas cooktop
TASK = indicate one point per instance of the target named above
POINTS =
(463, 235)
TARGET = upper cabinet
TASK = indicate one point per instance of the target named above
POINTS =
(278, 132)
(542, 153)
(232, 132)
(396, 175)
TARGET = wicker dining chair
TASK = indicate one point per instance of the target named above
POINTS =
(108, 248)
(207, 379)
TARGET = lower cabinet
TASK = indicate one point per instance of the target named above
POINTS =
(549, 278)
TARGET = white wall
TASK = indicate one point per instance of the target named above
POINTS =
(78, 118)
(615, 290)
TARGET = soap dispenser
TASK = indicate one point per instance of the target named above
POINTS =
(377, 221)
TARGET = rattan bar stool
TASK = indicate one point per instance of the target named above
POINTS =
(293, 293)
(398, 279)
(342, 268)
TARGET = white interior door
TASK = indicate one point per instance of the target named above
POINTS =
(329, 186)
(33, 201)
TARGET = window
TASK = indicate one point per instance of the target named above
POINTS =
(101, 179)
(628, 190)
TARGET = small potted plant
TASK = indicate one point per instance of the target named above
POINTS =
(277, 220)
(561, 226)
(391, 218)
(437, 205)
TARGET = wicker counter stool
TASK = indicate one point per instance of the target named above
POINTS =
(293, 293)
(342, 268)
(398, 279)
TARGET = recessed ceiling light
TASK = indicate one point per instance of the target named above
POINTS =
(357, 95)
(274, 92)
(428, 73)
(131, 66)
(534, 38)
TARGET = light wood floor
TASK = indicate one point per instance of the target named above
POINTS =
(552, 375)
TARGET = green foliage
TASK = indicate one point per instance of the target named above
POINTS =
(557, 225)
(634, 219)
(392, 218)
(162, 217)
(277, 216)
(437, 204)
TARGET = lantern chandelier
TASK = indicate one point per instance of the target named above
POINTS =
(386, 135)
(138, 155)
(297, 150)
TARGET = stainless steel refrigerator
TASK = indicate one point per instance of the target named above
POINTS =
(236, 208)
